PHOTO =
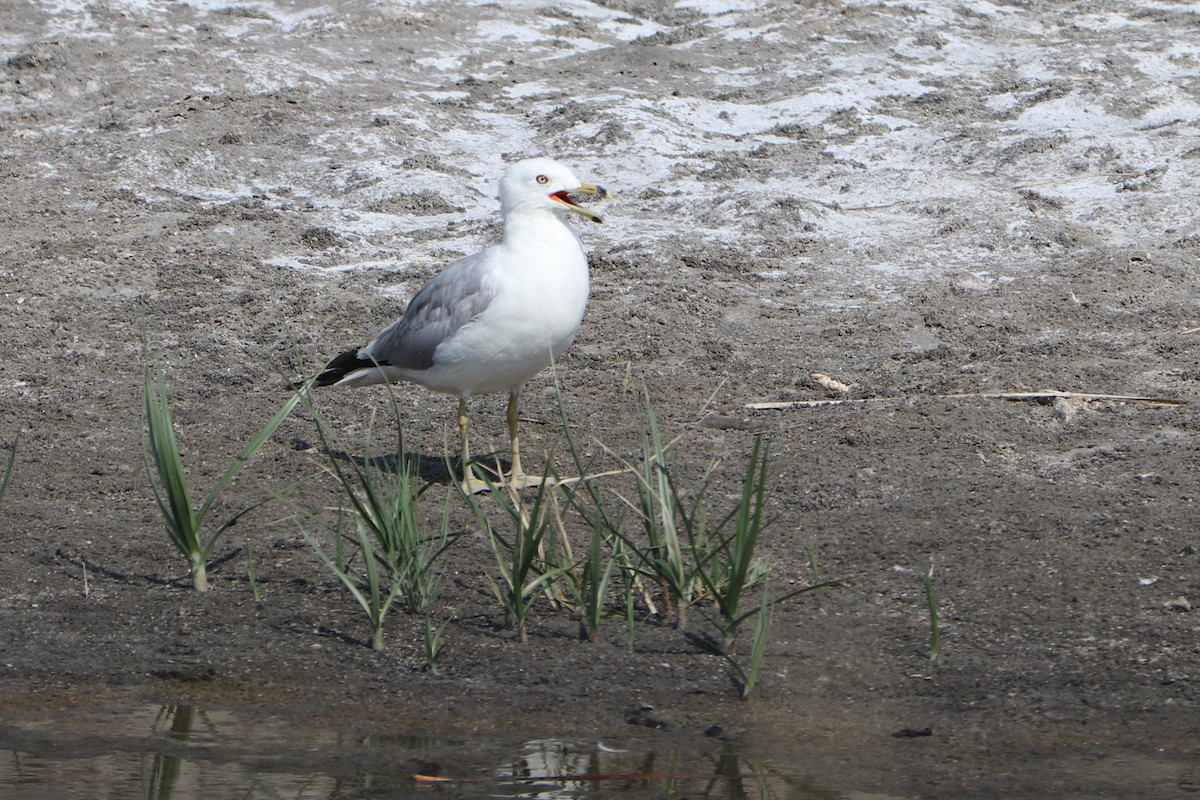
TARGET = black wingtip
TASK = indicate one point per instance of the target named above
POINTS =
(342, 366)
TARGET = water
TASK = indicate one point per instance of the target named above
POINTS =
(187, 752)
(181, 752)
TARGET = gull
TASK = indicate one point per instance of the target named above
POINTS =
(491, 321)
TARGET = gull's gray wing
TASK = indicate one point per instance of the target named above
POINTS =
(449, 301)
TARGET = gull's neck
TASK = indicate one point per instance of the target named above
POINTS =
(538, 226)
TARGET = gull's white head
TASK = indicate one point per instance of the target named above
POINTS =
(542, 184)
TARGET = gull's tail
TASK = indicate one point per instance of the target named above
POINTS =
(344, 365)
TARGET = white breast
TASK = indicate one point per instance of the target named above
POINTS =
(541, 292)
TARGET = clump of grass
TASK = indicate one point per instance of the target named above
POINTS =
(399, 561)
(523, 571)
(676, 545)
(690, 559)
(662, 512)
(591, 580)
(388, 508)
(433, 642)
(595, 578)
(368, 590)
(730, 565)
(696, 562)
(164, 467)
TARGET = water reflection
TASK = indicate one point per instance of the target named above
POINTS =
(181, 752)
(164, 771)
(553, 769)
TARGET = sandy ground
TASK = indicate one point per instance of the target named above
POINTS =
(930, 203)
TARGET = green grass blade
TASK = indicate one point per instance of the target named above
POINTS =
(169, 481)
(433, 643)
(935, 628)
(8, 471)
(795, 593)
(376, 610)
(177, 506)
(762, 633)
(747, 526)
(347, 579)
(252, 574)
(597, 574)
(207, 549)
(518, 560)
(247, 452)
(629, 577)
(174, 497)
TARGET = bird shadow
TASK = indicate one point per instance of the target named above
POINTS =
(430, 469)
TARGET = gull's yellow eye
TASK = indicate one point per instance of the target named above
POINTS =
(542, 179)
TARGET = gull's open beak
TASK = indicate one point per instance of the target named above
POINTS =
(585, 188)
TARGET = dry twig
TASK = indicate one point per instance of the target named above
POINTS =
(1087, 397)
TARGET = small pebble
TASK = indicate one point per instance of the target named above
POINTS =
(1178, 604)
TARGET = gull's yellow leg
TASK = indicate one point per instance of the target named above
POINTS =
(517, 475)
(470, 484)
